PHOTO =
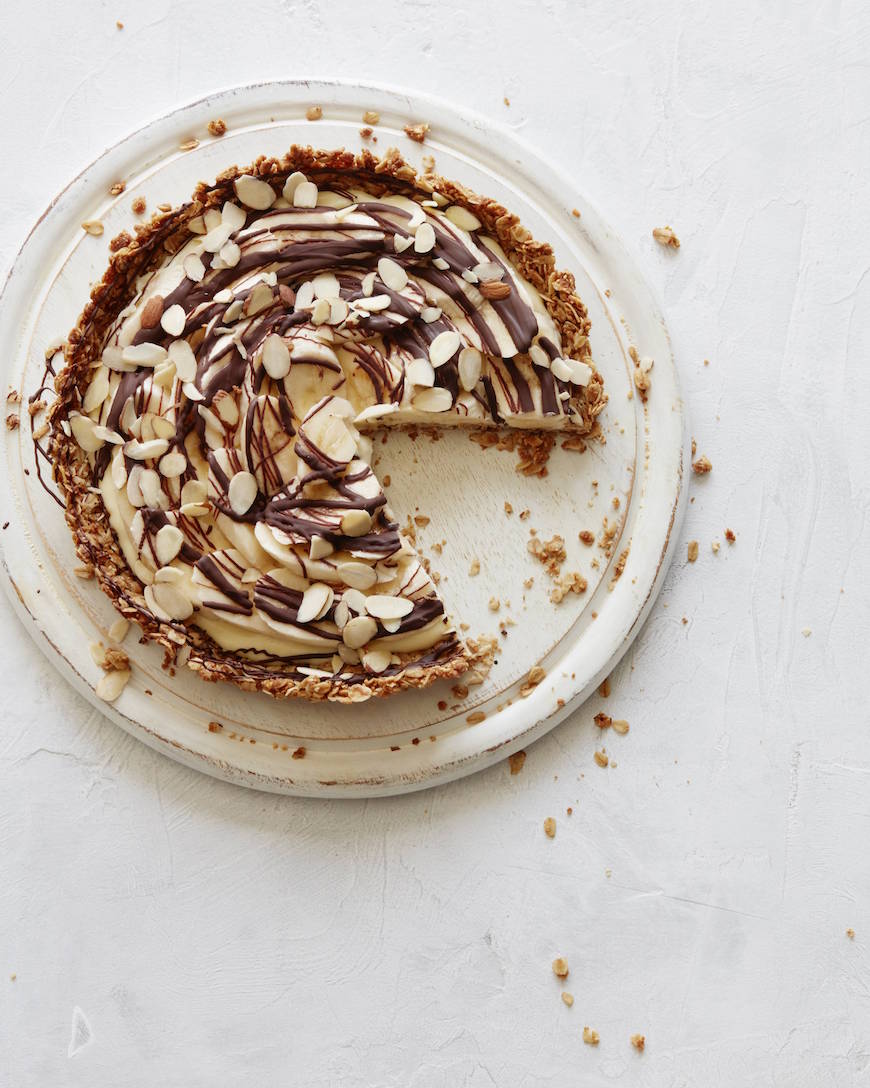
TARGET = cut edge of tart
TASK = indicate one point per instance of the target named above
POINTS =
(276, 471)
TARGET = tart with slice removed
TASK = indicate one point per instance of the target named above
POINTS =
(211, 432)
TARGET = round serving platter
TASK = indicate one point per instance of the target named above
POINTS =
(628, 491)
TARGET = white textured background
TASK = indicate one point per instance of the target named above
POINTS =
(702, 889)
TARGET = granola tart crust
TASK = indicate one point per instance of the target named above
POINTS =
(86, 516)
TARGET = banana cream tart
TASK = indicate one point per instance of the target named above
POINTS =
(211, 433)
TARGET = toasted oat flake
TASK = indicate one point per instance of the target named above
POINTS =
(692, 551)
(189, 145)
(476, 717)
(567, 999)
(560, 967)
(601, 758)
(494, 604)
(371, 117)
(516, 762)
(665, 236)
(93, 226)
(638, 1042)
(314, 113)
(217, 127)
(474, 569)
(850, 933)
(621, 726)
(550, 827)
(702, 466)
(590, 1036)
(117, 188)
(417, 132)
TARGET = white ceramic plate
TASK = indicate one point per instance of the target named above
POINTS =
(635, 480)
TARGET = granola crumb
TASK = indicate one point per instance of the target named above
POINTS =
(665, 236)
(694, 447)
(528, 583)
(85, 572)
(604, 688)
(494, 604)
(602, 720)
(550, 827)
(138, 206)
(299, 753)
(12, 422)
(417, 132)
(506, 100)
(574, 582)
(421, 521)
(638, 1042)
(474, 569)
(120, 241)
(215, 727)
(591, 1036)
(117, 188)
(119, 25)
(476, 717)
(806, 632)
(567, 999)
(551, 553)
(702, 466)
(560, 967)
(620, 726)
(575, 212)
(586, 538)
(850, 933)
(692, 551)
(217, 127)
(602, 758)
(508, 509)
(516, 762)
(569, 811)
(706, 362)
(371, 117)
(314, 113)
(730, 536)
(524, 514)
(536, 675)
(366, 132)
(460, 691)
(715, 546)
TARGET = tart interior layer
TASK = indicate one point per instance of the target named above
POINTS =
(224, 414)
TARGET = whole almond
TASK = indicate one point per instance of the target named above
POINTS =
(152, 312)
(495, 289)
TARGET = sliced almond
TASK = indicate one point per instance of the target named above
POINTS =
(173, 320)
(242, 492)
(152, 490)
(358, 631)
(444, 347)
(470, 366)
(430, 314)
(119, 470)
(230, 254)
(326, 285)
(319, 548)
(172, 465)
(97, 391)
(260, 298)
(401, 242)
(420, 372)
(385, 607)
(193, 267)
(356, 523)
(560, 369)
(194, 491)
(292, 184)
(145, 451)
(320, 311)
(254, 193)
(489, 271)
(305, 195)
(462, 218)
(118, 630)
(234, 215)
(217, 237)
(144, 354)
(315, 602)
(82, 428)
(433, 400)
(376, 661)
(181, 353)
(392, 274)
(424, 238)
(374, 304)
(111, 684)
(357, 575)
(168, 543)
(93, 226)
(167, 602)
